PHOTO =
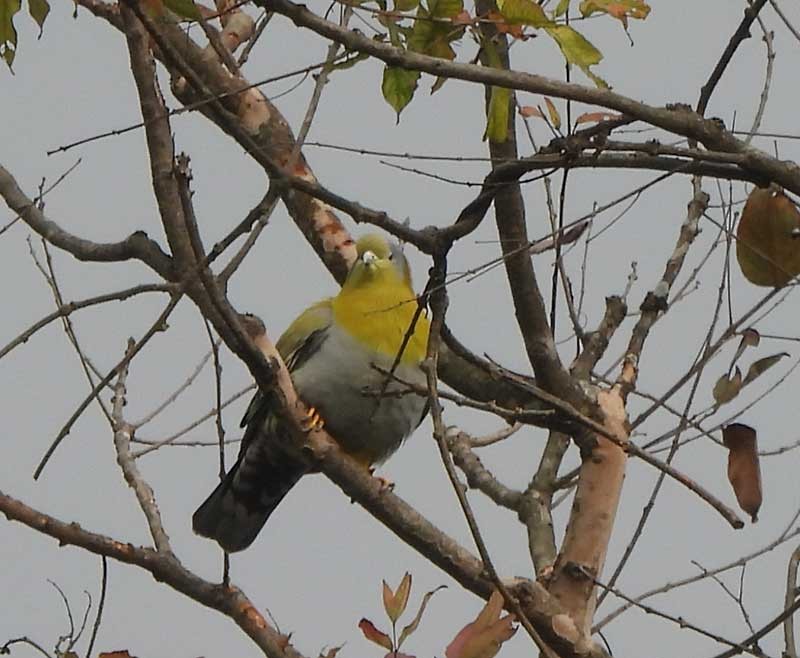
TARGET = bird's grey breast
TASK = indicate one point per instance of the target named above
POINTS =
(344, 381)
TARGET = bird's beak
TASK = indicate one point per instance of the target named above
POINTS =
(368, 258)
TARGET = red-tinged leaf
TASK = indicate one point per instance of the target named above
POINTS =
(744, 470)
(115, 654)
(528, 111)
(374, 635)
(462, 18)
(594, 117)
(483, 637)
(758, 368)
(410, 628)
(727, 388)
(504, 27)
(619, 9)
(555, 117)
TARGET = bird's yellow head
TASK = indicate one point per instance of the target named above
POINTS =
(378, 263)
(377, 303)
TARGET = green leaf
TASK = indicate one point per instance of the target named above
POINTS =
(523, 12)
(577, 50)
(561, 8)
(405, 5)
(758, 368)
(445, 8)
(184, 9)
(38, 10)
(8, 33)
(433, 37)
(398, 87)
(497, 115)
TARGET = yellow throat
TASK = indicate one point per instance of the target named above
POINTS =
(376, 304)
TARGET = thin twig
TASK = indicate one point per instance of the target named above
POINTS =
(100, 606)
(122, 440)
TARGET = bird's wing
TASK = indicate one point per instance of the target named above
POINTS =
(263, 473)
(301, 339)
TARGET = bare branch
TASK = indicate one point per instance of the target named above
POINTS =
(164, 567)
(136, 247)
(122, 443)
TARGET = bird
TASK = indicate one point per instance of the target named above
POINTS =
(339, 352)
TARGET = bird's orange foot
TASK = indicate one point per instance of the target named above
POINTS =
(313, 421)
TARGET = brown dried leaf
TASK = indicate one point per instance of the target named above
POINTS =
(758, 368)
(410, 628)
(767, 247)
(120, 653)
(330, 653)
(727, 388)
(744, 470)
(751, 337)
(374, 635)
(483, 637)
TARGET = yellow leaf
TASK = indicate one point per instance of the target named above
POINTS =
(525, 12)
(577, 50)
(555, 117)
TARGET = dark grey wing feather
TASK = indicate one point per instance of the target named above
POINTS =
(263, 474)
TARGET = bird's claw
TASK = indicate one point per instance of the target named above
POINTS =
(312, 421)
(385, 483)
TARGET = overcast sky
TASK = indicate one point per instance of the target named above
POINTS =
(318, 564)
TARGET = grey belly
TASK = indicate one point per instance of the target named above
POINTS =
(365, 425)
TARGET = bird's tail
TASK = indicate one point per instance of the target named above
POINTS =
(241, 504)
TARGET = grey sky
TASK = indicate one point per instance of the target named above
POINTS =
(317, 566)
